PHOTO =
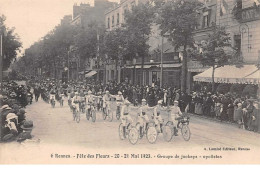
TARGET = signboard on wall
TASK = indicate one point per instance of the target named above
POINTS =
(250, 14)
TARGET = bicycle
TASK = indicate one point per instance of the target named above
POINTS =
(82, 106)
(91, 112)
(52, 103)
(107, 113)
(130, 132)
(183, 125)
(61, 102)
(76, 113)
(118, 111)
(155, 128)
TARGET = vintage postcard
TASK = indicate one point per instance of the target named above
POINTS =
(130, 82)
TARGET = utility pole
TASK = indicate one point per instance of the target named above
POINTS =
(68, 65)
(1, 71)
(161, 78)
(1, 61)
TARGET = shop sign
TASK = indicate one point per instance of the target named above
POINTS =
(250, 14)
(229, 80)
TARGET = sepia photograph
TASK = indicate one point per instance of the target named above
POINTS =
(130, 82)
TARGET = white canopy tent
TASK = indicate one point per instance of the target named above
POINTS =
(247, 74)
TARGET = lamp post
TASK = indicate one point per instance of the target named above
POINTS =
(134, 75)
(161, 78)
(2, 33)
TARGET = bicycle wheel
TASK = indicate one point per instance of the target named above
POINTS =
(140, 130)
(118, 114)
(110, 116)
(74, 115)
(151, 134)
(104, 113)
(78, 117)
(167, 133)
(185, 131)
(52, 104)
(133, 136)
(170, 124)
(121, 132)
(88, 114)
(93, 116)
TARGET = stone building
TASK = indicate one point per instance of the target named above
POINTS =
(242, 20)
(83, 15)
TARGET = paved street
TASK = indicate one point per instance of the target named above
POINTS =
(56, 130)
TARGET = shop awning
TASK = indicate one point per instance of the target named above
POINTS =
(229, 74)
(254, 77)
(171, 65)
(90, 74)
(145, 66)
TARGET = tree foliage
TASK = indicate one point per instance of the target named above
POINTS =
(138, 24)
(11, 43)
(178, 19)
(216, 51)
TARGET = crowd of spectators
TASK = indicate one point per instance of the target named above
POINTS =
(13, 100)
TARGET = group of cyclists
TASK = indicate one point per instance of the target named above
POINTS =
(87, 100)
(102, 101)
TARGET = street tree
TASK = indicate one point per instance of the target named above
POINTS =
(114, 44)
(178, 19)
(216, 51)
(138, 24)
(86, 41)
(11, 43)
(50, 52)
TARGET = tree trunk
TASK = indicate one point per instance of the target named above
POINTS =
(142, 71)
(116, 74)
(213, 76)
(184, 71)
(55, 70)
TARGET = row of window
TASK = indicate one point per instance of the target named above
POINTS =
(113, 20)
(117, 21)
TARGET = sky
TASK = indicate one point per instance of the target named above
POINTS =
(33, 19)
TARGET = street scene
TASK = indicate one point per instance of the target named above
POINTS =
(132, 81)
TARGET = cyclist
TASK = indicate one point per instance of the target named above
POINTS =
(119, 100)
(125, 117)
(89, 100)
(62, 97)
(176, 114)
(99, 100)
(157, 114)
(52, 95)
(143, 117)
(75, 101)
(106, 100)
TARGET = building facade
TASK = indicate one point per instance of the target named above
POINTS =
(206, 19)
(241, 18)
(160, 50)
(83, 15)
(242, 21)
